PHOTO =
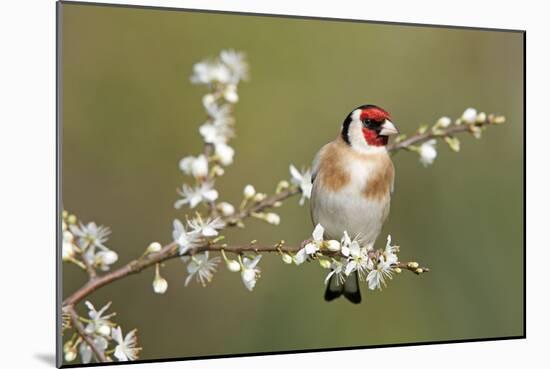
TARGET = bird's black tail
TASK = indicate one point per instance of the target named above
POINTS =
(350, 288)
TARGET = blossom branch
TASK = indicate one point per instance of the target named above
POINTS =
(82, 333)
(85, 244)
(473, 125)
(170, 251)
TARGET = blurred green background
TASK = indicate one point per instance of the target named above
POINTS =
(129, 114)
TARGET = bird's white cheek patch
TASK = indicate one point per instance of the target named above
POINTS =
(356, 136)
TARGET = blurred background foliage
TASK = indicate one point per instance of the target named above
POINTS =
(129, 114)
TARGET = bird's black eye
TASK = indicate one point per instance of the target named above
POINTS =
(368, 123)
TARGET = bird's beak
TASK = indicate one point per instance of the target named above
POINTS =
(388, 129)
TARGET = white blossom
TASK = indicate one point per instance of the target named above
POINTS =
(469, 116)
(206, 228)
(91, 235)
(219, 128)
(337, 271)
(378, 273)
(250, 272)
(195, 166)
(86, 352)
(126, 348)
(345, 244)
(358, 260)
(196, 195)
(390, 252)
(236, 62)
(303, 180)
(103, 259)
(207, 72)
(311, 247)
(230, 93)
(427, 152)
(68, 249)
(221, 118)
(202, 267)
(99, 321)
(185, 240)
(224, 153)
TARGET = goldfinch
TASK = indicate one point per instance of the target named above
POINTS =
(353, 179)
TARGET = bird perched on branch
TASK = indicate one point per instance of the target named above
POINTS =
(353, 180)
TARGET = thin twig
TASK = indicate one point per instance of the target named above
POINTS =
(268, 202)
(429, 134)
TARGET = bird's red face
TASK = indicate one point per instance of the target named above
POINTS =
(368, 126)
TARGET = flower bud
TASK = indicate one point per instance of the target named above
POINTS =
(70, 354)
(453, 142)
(65, 214)
(217, 171)
(281, 186)
(499, 120)
(230, 94)
(71, 219)
(160, 285)
(287, 259)
(259, 197)
(208, 100)
(397, 270)
(333, 245)
(233, 265)
(469, 116)
(443, 122)
(324, 263)
(272, 218)
(481, 117)
(419, 271)
(67, 250)
(413, 265)
(249, 192)
(154, 247)
(226, 208)
(476, 131)
(104, 330)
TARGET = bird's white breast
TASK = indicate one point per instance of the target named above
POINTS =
(348, 208)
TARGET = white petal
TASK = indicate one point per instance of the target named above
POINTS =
(310, 248)
(300, 256)
(318, 233)
(225, 153)
(194, 201)
(345, 251)
(295, 173)
(210, 195)
(351, 267)
(209, 231)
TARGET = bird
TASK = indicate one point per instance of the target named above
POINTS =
(352, 183)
